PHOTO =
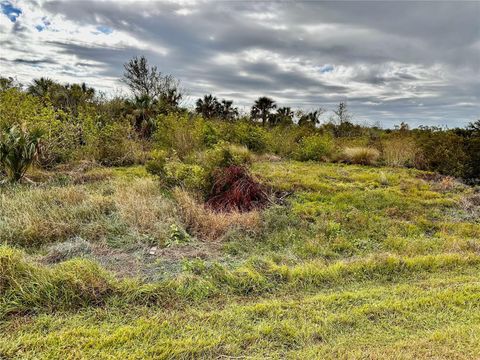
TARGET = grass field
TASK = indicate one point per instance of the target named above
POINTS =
(354, 262)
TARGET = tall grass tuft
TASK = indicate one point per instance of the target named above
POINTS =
(208, 224)
(360, 155)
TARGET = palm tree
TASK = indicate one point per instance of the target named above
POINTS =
(262, 108)
(208, 107)
(170, 99)
(311, 118)
(227, 111)
(41, 87)
(143, 115)
(283, 116)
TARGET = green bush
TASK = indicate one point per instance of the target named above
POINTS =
(315, 147)
(285, 140)
(253, 136)
(189, 176)
(18, 149)
(157, 162)
(209, 134)
(224, 155)
(112, 146)
(179, 133)
(442, 151)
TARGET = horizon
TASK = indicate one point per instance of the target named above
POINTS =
(417, 63)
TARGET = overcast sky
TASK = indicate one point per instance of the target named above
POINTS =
(417, 62)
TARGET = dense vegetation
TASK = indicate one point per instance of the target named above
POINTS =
(136, 228)
(78, 124)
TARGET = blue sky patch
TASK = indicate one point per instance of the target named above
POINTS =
(45, 23)
(104, 29)
(326, 69)
(10, 11)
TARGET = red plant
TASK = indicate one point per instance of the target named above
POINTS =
(234, 189)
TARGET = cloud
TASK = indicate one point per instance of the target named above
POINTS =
(392, 61)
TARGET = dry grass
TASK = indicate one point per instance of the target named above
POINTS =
(400, 152)
(208, 224)
(141, 205)
(360, 155)
(35, 216)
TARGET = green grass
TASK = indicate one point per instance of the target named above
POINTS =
(360, 262)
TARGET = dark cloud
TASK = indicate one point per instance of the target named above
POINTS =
(393, 61)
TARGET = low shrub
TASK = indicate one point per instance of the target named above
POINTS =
(173, 172)
(188, 176)
(314, 147)
(18, 149)
(235, 189)
(224, 155)
(156, 164)
(179, 133)
(442, 151)
(113, 146)
(254, 137)
(209, 134)
(360, 155)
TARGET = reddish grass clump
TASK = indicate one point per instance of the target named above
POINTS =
(234, 189)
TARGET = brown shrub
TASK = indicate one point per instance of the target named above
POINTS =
(234, 189)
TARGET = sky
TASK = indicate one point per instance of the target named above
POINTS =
(392, 61)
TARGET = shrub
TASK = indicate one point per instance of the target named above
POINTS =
(224, 155)
(18, 149)
(360, 155)
(314, 147)
(173, 172)
(253, 136)
(157, 162)
(209, 134)
(179, 133)
(285, 139)
(189, 176)
(442, 151)
(113, 146)
(234, 189)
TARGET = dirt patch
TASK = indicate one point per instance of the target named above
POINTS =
(199, 250)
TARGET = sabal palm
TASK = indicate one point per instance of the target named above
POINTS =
(262, 108)
(18, 149)
(284, 115)
(208, 107)
(227, 111)
(41, 87)
(311, 118)
(144, 111)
